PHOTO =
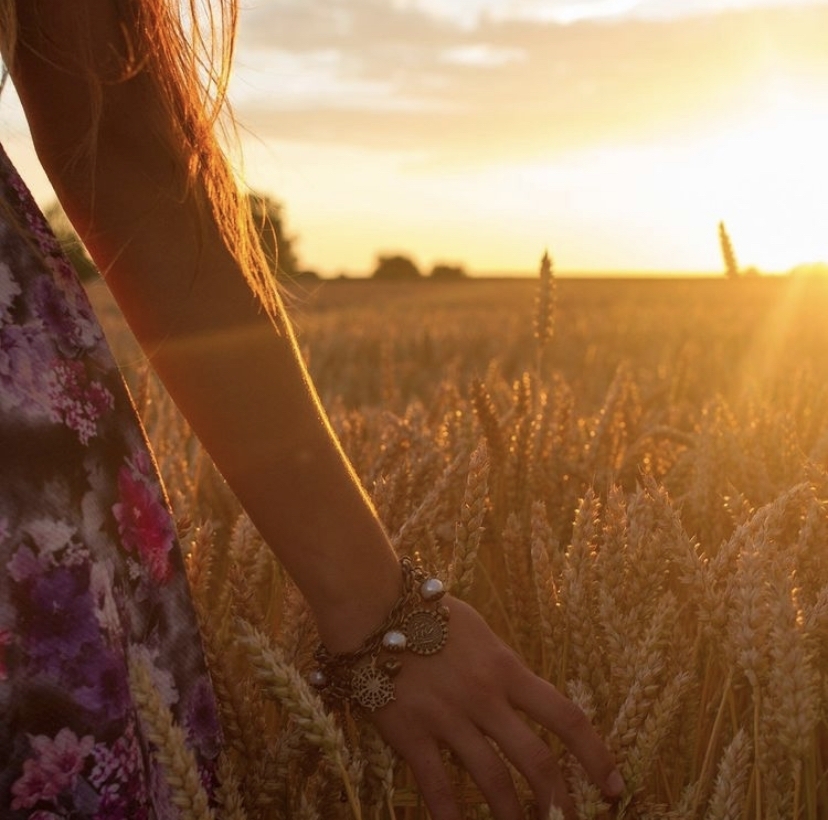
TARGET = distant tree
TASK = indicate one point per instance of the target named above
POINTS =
(70, 242)
(308, 275)
(396, 269)
(267, 218)
(728, 254)
(278, 245)
(447, 273)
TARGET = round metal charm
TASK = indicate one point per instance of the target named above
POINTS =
(427, 632)
(371, 688)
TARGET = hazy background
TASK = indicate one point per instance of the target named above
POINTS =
(616, 133)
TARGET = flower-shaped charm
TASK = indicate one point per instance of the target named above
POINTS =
(371, 688)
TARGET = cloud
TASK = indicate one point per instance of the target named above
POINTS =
(395, 76)
(307, 25)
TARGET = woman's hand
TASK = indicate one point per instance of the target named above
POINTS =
(468, 696)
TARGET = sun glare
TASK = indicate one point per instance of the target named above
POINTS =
(773, 179)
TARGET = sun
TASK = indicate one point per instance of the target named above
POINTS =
(770, 178)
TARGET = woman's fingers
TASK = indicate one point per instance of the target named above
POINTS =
(488, 770)
(542, 702)
(532, 758)
(426, 763)
(486, 767)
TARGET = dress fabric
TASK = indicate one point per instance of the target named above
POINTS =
(91, 574)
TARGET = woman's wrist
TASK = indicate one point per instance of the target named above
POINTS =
(349, 603)
(417, 623)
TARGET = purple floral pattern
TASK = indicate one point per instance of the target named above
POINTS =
(90, 569)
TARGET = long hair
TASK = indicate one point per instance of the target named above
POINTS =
(186, 47)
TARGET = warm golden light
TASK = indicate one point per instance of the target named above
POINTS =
(617, 134)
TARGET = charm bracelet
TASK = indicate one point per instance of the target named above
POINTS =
(418, 623)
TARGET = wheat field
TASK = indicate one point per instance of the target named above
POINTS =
(628, 478)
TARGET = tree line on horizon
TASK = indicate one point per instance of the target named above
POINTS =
(284, 263)
(278, 245)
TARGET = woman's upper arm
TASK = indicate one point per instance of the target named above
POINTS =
(65, 54)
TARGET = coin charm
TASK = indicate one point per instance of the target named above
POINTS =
(371, 688)
(426, 631)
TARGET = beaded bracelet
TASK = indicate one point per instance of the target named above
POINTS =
(418, 622)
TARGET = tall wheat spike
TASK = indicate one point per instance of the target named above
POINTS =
(728, 254)
(544, 311)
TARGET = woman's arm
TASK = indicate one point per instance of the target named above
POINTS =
(236, 375)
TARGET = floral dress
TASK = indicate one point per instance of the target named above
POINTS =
(91, 575)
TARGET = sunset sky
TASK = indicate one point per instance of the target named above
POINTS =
(615, 133)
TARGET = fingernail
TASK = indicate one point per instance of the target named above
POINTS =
(614, 785)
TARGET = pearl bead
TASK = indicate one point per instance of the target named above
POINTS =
(394, 641)
(317, 679)
(432, 589)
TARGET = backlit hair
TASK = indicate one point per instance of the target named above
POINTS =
(186, 48)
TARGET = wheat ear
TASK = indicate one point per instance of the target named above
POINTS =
(228, 793)
(577, 595)
(730, 792)
(587, 796)
(170, 749)
(282, 681)
(469, 528)
(555, 813)
(544, 310)
(378, 784)
(546, 594)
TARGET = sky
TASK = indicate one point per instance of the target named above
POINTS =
(614, 133)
